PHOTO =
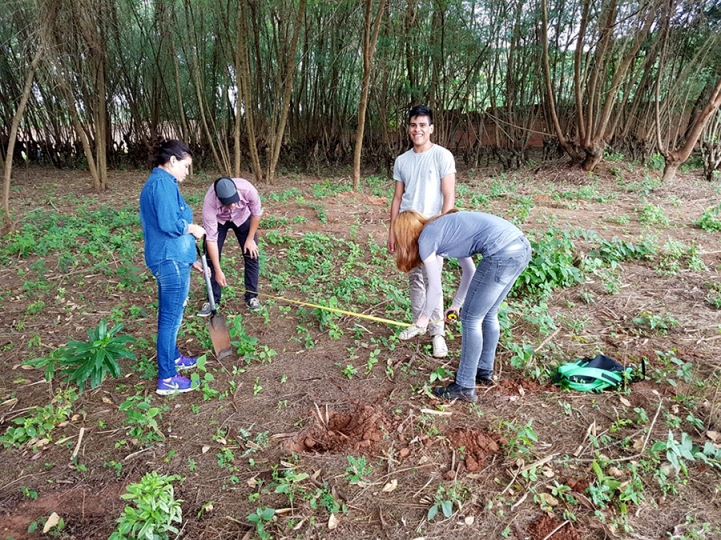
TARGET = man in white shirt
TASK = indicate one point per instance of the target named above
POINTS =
(425, 179)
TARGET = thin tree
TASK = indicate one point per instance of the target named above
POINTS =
(370, 38)
(14, 126)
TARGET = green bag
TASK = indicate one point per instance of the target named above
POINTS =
(592, 375)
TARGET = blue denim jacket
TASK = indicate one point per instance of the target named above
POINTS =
(165, 217)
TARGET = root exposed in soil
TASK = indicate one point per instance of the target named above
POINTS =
(334, 431)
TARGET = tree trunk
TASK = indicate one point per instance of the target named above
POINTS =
(369, 45)
(276, 136)
(245, 88)
(14, 129)
(675, 158)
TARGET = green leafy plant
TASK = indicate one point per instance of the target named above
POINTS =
(445, 499)
(142, 419)
(259, 518)
(552, 265)
(83, 362)
(40, 422)
(709, 220)
(153, 509)
(357, 470)
(244, 344)
(521, 439)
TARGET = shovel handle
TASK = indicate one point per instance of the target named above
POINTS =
(206, 275)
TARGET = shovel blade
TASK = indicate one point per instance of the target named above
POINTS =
(218, 329)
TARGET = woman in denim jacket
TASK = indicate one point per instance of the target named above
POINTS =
(169, 234)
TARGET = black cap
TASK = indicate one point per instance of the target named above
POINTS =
(226, 191)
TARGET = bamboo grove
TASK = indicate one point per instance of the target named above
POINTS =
(263, 83)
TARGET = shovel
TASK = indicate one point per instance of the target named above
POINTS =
(217, 327)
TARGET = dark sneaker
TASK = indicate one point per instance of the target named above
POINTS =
(484, 378)
(185, 362)
(175, 385)
(205, 311)
(453, 391)
(253, 304)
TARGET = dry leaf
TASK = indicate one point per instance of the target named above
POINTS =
(713, 435)
(390, 486)
(624, 401)
(549, 499)
(106, 399)
(332, 522)
(221, 440)
(469, 520)
(52, 521)
(205, 449)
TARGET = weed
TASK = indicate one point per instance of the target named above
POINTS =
(656, 323)
(552, 264)
(152, 509)
(91, 360)
(35, 428)
(709, 220)
(445, 499)
(520, 439)
(650, 214)
(357, 470)
(143, 418)
(259, 519)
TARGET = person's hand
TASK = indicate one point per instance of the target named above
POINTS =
(196, 230)
(251, 248)
(391, 244)
(451, 314)
(197, 266)
(220, 278)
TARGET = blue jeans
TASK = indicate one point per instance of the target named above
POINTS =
(490, 285)
(173, 279)
(251, 265)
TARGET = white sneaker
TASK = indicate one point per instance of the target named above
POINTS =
(411, 332)
(440, 349)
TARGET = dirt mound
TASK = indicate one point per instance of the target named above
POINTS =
(545, 525)
(475, 446)
(334, 431)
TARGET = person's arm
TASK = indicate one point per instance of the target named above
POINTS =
(165, 202)
(468, 269)
(448, 189)
(398, 192)
(250, 247)
(212, 249)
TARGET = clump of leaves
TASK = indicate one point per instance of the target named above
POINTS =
(154, 509)
(709, 220)
(552, 265)
(40, 422)
(80, 362)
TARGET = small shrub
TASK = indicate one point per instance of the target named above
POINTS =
(552, 265)
(154, 509)
(93, 360)
(709, 220)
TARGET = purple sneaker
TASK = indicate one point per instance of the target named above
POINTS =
(185, 362)
(177, 384)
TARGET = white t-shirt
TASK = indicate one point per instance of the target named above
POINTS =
(421, 172)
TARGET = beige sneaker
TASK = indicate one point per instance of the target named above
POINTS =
(411, 332)
(440, 349)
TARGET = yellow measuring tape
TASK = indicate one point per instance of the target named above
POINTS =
(336, 310)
